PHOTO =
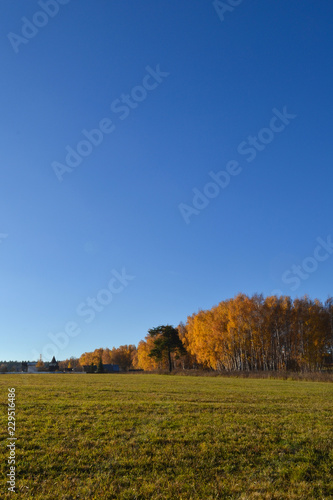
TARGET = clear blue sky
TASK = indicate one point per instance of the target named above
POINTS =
(121, 208)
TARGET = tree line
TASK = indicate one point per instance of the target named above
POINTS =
(249, 333)
(239, 334)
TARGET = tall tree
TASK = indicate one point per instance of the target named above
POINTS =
(166, 341)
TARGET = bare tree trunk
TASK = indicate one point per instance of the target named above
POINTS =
(170, 361)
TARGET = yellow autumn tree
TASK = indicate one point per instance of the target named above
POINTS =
(257, 333)
(142, 359)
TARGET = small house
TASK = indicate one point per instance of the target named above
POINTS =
(108, 368)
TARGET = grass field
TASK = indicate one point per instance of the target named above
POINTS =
(168, 437)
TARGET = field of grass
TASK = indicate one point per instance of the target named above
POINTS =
(168, 437)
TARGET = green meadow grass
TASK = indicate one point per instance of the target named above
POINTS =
(163, 437)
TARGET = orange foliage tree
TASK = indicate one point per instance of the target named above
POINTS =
(122, 356)
(257, 333)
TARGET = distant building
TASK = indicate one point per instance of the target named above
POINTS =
(53, 365)
(111, 368)
(31, 367)
(106, 368)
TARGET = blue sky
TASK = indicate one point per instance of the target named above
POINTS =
(65, 231)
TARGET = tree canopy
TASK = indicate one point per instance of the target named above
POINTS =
(166, 341)
(241, 333)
